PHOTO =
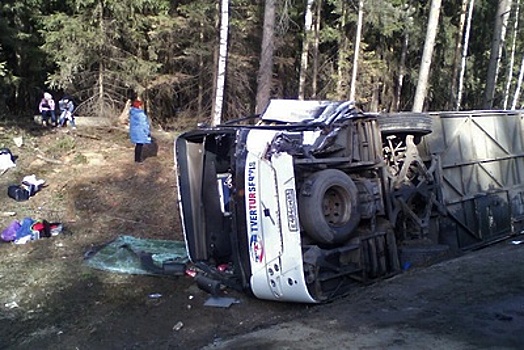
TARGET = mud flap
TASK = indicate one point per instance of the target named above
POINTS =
(372, 255)
(380, 256)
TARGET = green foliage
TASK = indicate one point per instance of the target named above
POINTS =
(106, 47)
(80, 159)
(24, 65)
(97, 50)
(63, 145)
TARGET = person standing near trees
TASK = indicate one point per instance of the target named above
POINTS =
(139, 129)
(47, 109)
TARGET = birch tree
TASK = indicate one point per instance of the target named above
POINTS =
(308, 24)
(431, 33)
(316, 43)
(401, 69)
(516, 96)
(222, 61)
(509, 76)
(357, 50)
(497, 44)
(458, 50)
(407, 17)
(465, 47)
(342, 53)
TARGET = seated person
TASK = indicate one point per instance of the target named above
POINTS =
(66, 107)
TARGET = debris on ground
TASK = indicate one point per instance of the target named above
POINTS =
(30, 230)
(19, 141)
(7, 160)
(178, 326)
(222, 302)
(11, 305)
(131, 255)
(29, 186)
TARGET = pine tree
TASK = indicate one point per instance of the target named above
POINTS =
(102, 48)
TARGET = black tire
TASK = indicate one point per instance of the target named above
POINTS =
(328, 206)
(405, 123)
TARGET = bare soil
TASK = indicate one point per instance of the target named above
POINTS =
(49, 299)
(472, 302)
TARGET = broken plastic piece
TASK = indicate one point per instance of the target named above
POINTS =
(191, 272)
(178, 326)
(224, 302)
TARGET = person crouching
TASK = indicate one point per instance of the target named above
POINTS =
(47, 109)
(67, 108)
(139, 129)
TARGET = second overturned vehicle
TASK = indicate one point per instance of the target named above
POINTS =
(310, 198)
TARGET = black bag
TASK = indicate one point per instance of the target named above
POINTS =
(150, 149)
(18, 193)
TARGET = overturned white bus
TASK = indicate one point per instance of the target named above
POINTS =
(314, 196)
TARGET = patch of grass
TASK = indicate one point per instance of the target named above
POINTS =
(87, 274)
(7, 135)
(80, 159)
(62, 146)
(59, 196)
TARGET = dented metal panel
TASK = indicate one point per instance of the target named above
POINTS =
(481, 157)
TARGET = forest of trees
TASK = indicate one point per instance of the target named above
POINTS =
(388, 55)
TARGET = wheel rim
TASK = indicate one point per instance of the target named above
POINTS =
(336, 205)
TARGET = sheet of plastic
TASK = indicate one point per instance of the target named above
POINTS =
(122, 255)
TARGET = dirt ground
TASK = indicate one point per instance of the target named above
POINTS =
(472, 302)
(49, 299)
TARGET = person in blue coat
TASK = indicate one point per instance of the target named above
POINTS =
(139, 129)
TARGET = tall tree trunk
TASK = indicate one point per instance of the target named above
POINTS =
(465, 47)
(516, 97)
(200, 98)
(402, 63)
(101, 89)
(216, 56)
(402, 70)
(357, 50)
(457, 55)
(265, 71)
(222, 60)
(342, 54)
(512, 58)
(497, 43)
(19, 62)
(101, 67)
(308, 23)
(316, 43)
(425, 65)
